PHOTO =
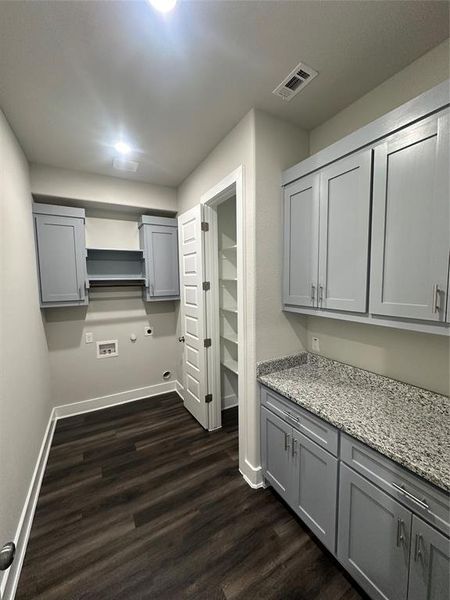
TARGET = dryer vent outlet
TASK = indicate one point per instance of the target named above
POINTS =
(167, 375)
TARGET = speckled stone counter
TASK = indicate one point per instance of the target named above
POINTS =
(405, 423)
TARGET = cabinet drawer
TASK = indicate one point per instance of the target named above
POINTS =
(321, 432)
(424, 499)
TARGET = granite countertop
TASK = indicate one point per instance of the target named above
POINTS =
(405, 423)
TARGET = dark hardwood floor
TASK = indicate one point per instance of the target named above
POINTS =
(138, 502)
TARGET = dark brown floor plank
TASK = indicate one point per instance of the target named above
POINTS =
(138, 501)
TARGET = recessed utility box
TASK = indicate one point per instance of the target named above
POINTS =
(107, 349)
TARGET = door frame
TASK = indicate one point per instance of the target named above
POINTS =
(229, 186)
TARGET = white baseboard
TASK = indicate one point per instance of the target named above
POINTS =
(229, 401)
(253, 475)
(255, 486)
(180, 389)
(85, 406)
(11, 577)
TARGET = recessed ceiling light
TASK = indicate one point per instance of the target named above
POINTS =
(163, 6)
(122, 148)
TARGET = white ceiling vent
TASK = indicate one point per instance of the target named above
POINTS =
(123, 164)
(295, 81)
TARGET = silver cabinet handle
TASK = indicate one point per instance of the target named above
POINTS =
(436, 299)
(422, 503)
(417, 547)
(313, 293)
(287, 442)
(400, 536)
(294, 444)
(320, 294)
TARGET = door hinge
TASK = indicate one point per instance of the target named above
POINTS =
(208, 398)
(206, 285)
(205, 226)
(207, 342)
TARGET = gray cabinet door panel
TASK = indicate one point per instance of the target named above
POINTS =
(315, 488)
(430, 563)
(276, 439)
(410, 230)
(345, 189)
(162, 260)
(374, 537)
(301, 235)
(61, 258)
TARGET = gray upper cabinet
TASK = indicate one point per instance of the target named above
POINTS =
(374, 537)
(315, 485)
(326, 238)
(276, 440)
(301, 234)
(344, 233)
(429, 564)
(410, 231)
(61, 255)
(159, 240)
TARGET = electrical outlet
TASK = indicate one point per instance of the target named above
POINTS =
(89, 337)
(315, 344)
(107, 349)
(148, 330)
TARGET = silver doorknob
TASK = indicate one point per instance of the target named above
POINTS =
(7, 554)
(181, 339)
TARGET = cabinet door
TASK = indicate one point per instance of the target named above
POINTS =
(410, 222)
(344, 233)
(162, 260)
(315, 488)
(61, 258)
(301, 235)
(429, 575)
(276, 439)
(374, 537)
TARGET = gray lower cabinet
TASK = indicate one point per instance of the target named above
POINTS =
(159, 240)
(303, 473)
(374, 537)
(276, 438)
(61, 255)
(430, 563)
(315, 488)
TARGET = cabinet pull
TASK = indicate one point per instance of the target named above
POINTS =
(400, 536)
(436, 299)
(287, 444)
(422, 503)
(320, 294)
(417, 547)
(294, 444)
(313, 293)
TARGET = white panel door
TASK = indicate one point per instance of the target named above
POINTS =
(410, 229)
(193, 318)
(344, 233)
(301, 245)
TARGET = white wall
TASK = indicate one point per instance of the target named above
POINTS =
(112, 313)
(24, 377)
(278, 145)
(420, 359)
(100, 189)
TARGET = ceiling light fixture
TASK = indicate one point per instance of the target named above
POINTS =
(122, 148)
(163, 6)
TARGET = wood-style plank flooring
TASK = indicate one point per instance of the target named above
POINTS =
(138, 502)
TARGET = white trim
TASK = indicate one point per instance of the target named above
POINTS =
(11, 577)
(229, 401)
(255, 485)
(86, 406)
(437, 328)
(179, 389)
(427, 103)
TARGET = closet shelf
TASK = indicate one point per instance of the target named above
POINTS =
(229, 310)
(137, 250)
(228, 249)
(230, 338)
(228, 279)
(231, 365)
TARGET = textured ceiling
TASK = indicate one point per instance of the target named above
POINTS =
(75, 76)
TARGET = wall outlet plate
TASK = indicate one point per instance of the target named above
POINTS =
(148, 330)
(89, 337)
(107, 349)
(315, 346)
